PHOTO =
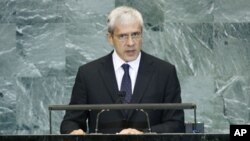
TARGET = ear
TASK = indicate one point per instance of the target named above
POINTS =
(110, 38)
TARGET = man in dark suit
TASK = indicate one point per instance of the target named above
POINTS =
(143, 78)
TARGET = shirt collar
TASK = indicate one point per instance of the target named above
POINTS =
(117, 61)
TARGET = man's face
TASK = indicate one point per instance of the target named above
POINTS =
(127, 40)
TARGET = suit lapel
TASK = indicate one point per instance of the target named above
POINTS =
(144, 76)
(108, 75)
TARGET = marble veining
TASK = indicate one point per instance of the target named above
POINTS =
(43, 43)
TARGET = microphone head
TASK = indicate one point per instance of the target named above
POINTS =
(122, 94)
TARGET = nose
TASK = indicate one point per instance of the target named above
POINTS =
(130, 41)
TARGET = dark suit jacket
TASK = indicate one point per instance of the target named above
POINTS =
(95, 83)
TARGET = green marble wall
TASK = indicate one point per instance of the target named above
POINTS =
(43, 43)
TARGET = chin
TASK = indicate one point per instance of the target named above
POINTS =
(128, 59)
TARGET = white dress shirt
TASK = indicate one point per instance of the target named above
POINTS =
(133, 69)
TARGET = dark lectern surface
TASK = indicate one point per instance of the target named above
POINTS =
(112, 137)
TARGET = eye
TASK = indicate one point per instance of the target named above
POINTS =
(135, 34)
(123, 36)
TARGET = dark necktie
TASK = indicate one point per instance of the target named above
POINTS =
(126, 84)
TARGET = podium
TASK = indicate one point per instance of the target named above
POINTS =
(139, 107)
(115, 137)
(112, 137)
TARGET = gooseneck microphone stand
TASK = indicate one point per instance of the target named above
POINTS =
(107, 107)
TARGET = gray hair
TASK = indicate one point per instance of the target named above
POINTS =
(123, 14)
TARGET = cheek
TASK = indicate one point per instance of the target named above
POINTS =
(139, 44)
(119, 49)
(120, 46)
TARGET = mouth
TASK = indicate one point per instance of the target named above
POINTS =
(130, 55)
(130, 52)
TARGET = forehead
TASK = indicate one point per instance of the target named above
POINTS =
(127, 27)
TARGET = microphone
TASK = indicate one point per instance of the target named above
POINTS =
(121, 95)
(121, 98)
(147, 119)
(97, 119)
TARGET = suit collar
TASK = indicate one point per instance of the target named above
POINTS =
(118, 62)
(108, 75)
(144, 76)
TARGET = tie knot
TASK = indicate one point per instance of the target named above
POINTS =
(125, 67)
